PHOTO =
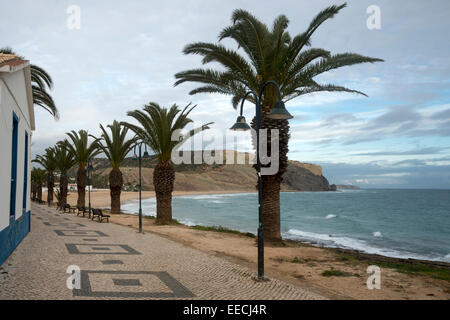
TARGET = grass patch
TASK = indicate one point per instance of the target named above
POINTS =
(347, 258)
(417, 268)
(298, 260)
(175, 221)
(407, 267)
(336, 273)
(223, 229)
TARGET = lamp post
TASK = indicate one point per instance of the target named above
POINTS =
(278, 112)
(140, 156)
(89, 170)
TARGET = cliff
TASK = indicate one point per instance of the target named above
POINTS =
(217, 177)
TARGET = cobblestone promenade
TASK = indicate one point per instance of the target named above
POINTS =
(116, 262)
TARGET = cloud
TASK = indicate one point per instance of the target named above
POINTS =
(422, 151)
(126, 55)
(395, 175)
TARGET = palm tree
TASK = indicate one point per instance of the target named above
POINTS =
(116, 148)
(156, 130)
(40, 81)
(49, 163)
(270, 54)
(82, 151)
(64, 162)
(37, 179)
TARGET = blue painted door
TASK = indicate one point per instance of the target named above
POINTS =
(12, 202)
(25, 174)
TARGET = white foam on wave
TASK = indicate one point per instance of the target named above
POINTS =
(377, 234)
(351, 243)
(188, 222)
(330, 216)
(212, 196)
(148, 207)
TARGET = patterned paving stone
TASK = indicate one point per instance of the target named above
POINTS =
(131, 266)
(78, 233)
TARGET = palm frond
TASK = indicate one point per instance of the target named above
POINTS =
(115, 145)
(157, 127)
(269, 55)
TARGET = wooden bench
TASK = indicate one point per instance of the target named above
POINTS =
(81, 209)
(69, 208)
(98, 213)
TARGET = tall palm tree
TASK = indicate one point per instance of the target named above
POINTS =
(270, 54)
(37, 179)
(40, 82)
(82, 151)
(49, 163)
(157, 125)
(116, 148)
(65, 160)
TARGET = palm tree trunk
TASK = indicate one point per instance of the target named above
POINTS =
(163, 180)
(81, 186)
(115, 186)
(50, 186)
(271, 209)
(63, 188)
(33, 191)
(39, 192)
(271, 185)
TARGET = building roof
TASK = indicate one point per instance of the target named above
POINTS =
(6, 57)
(11, 62)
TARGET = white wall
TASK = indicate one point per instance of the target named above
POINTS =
(13, 98)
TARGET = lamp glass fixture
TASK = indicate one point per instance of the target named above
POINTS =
(240, 125)
(279, 111)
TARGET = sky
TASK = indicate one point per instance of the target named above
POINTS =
(125, 54)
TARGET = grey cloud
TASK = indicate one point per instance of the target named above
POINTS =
(442, 115)
(337, 119)
(400, 114)
(405, 174)
(423, 151)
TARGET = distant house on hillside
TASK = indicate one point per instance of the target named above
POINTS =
(16, 124)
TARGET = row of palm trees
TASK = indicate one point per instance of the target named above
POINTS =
(156, 127)
(262, 53)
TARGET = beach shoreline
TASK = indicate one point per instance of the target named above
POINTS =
(101, 197)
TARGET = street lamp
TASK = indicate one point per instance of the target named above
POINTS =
(140, 156)
(89, 170)
(278, 112)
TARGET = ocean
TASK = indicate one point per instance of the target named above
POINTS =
(390, 222)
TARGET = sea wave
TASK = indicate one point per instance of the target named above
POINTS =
(330, 216)
(188, 222)
(212, 196)
(377, 234)
(354, 244)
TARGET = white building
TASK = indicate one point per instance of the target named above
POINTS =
(16, 124)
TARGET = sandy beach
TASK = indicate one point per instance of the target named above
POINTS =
(100, 198)
(297, 263)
